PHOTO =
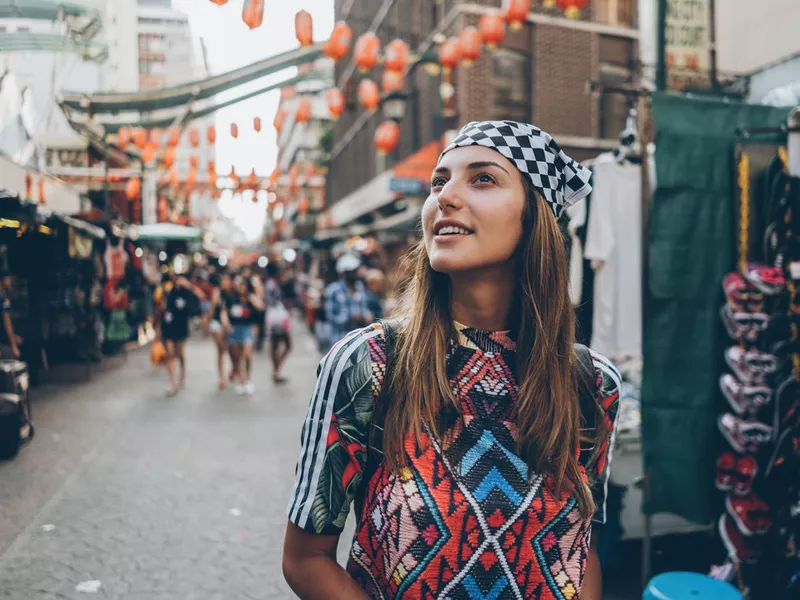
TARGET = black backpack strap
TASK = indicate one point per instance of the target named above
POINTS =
(586, 382)
(381, 403)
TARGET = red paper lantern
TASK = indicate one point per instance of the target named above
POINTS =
(173, 176)
(573, 8)
(253, 13)
(194, 161)
(124, 137)
(212, 166)
(303, 205)
(191, 181)
(279, 118)
(273, 178)
(257, 124)
(303, 114)
(219, 2)
(149, 153)
(304, 28)
(367, 52)
(493, 29)
(211, 134)
(169, 157)
(335, 100)
(516, 12)
(232, 176)
(140, 138)
(396, 56)
(338, 44)
(387, 136)
(194, 137)
(234, 130)
(41, 186)
(173, 137)
(369, 95)
(155, 136)
(133, 188)
(393, 81)
(450, 54)
(212, 179)
(471, 42)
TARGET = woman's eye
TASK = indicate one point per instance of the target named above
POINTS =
(438, 182)
(484, 178)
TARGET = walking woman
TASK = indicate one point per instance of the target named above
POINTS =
(241, 310)
(174, 325)
(480, 464)
(223, 293)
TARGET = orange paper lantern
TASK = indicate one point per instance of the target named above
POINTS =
(304, 28)
(303, 114)
(287, 93)
(41, 186)
(194, 161)
(173, 176)
(515, 12)
(471, 42)
(211, 134)
(493, 29)
(393, 81)
(450, 54)
(149, 153)
(234, 130)
(396, 56)
(573, 8)
(169, 157)
(133, 188)
(303, 205)
(173, 137)
(367, 52)
(338, 44)
(273, 178)
(280, 116)
(194, 137)
(212, 166)
(232, 176)
(219, 2)
(124, 138)
(253, 13)
(294, 177)
(155, 136)
(212, 179)
(369, 96)
(140, 138)
(335, 100)
(387, 137)
(257, 124)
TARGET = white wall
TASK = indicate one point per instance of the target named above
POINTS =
(753, 34)
(121, 70)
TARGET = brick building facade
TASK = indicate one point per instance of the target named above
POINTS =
(540, 74)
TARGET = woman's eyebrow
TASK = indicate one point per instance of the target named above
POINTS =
(440, 171)
(484, 164)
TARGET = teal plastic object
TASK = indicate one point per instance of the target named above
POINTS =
(689, 586)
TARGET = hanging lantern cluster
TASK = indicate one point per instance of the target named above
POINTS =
(450, 54)
(493, 29)
(515, 12)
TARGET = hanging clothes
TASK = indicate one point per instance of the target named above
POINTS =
(116, 260)
(614, 245)
(577, 219)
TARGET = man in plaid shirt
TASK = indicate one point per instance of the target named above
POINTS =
(346, 299)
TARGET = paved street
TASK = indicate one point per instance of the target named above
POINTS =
(155, 498)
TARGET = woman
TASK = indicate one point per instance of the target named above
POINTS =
(174, 325)
(240, 311)
(278, 323)
(219, 299)
(488, 476)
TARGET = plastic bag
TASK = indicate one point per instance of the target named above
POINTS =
(158, 353)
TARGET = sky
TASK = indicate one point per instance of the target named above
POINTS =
(230, 44)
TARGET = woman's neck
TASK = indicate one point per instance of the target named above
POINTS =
(484, 300)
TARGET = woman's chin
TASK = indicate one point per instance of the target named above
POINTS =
(446, 262)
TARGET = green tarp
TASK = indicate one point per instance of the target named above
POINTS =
(691, 247)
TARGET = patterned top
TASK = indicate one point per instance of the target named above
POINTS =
(467, 518)
(341, 307)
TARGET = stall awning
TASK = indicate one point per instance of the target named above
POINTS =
(48, 192)
(408, 178)
(87, 228)
(165, 232)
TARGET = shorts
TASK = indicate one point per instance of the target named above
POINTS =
(205, 307)
(241, 335)
(215, 326)
(176, 334)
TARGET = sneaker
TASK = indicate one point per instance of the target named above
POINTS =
(744, 475)
(751, 367)
(769, 280)
(745, 437)
(239, 389)
(743, 326)
(750, 512)
(736, 290)
(249, 388)
(744, 399)
(740, 549)
(726, 467)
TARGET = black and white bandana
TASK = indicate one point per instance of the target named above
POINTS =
(561, 180)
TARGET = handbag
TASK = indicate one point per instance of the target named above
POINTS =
(158, 353)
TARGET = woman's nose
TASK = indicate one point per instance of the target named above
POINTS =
(449, 196)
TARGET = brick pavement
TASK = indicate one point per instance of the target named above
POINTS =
(156, 498)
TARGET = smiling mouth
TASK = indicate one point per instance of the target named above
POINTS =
(451, 230)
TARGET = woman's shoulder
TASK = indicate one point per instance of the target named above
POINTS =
(607, 378)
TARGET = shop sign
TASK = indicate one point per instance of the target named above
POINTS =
(408, 186)
(688, 43)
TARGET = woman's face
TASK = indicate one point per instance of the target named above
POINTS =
(473, 217)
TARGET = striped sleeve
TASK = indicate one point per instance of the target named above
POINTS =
(334, 436)
(598, 462)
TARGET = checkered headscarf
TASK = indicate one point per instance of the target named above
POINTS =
(560, 179)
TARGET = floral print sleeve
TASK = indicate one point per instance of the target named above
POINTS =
(335, 435)
(597, 459)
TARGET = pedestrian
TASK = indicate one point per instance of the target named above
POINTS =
(8, 338)
(173, 324)
(240, 311)
(345, 299)
(479, 469)
(375, 282)
(203, 281)
(260, 317)
(278, 322)
(222, 294)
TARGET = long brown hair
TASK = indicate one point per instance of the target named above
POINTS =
(548, 411)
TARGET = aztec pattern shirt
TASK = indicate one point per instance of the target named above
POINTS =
(468, 518)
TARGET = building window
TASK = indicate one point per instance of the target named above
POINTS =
(615, 12)
(510, 79)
